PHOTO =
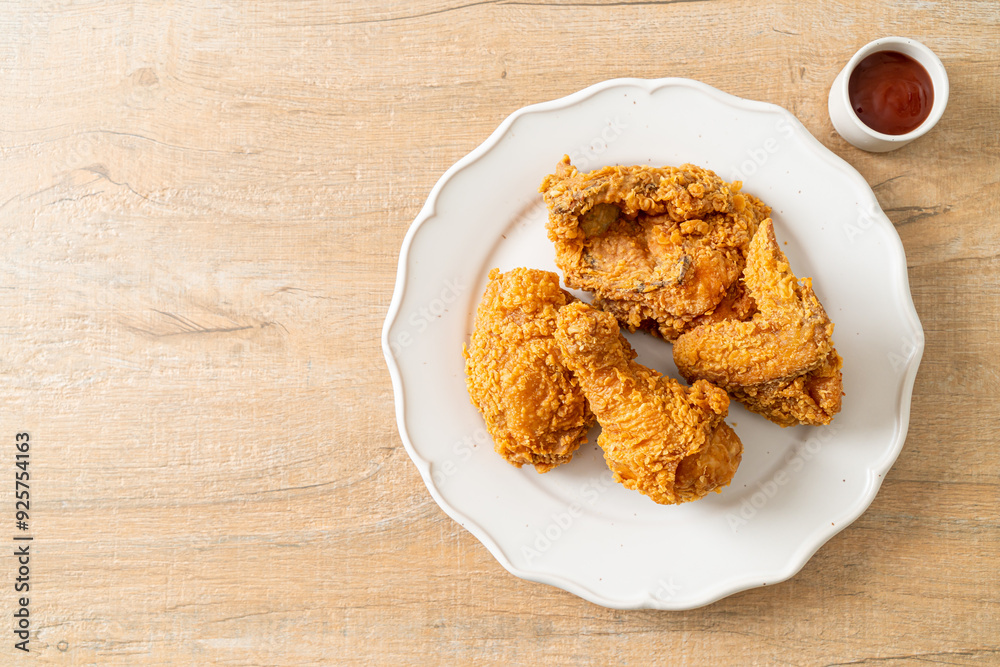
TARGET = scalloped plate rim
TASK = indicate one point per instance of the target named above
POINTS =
(736, 584)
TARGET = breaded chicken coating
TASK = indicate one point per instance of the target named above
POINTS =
(533, 405)
(667, 441)
(780, 362)
(658, 247)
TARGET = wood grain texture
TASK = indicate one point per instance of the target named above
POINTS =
(202, 206)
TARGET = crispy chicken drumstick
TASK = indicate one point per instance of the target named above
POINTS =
(664, 440)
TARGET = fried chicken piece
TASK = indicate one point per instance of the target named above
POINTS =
(659, 247)
(533, 406)
(812, 398)
(664, 440)
(780, 362)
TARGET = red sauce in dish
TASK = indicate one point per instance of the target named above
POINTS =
(891, 92)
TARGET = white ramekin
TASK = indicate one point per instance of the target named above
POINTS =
(850, 126)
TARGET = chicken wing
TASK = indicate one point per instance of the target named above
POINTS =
(664, 440)
(780, 362)
(659, 247)
(533, 406)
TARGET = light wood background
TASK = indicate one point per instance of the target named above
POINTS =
(201, 208)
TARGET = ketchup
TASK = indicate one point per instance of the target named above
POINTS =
(891, 92)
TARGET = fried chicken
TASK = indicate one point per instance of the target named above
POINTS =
(533, 406)
(780, 362)
(664, 440)
(659, 247)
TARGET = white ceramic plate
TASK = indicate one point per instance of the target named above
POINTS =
(573, 527)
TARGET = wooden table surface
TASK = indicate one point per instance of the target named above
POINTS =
(201, 207)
